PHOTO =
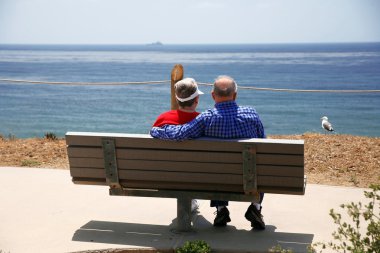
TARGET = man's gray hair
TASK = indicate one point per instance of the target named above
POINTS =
(226, 91)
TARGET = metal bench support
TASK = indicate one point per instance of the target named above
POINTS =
(110, 163)
(249, 170)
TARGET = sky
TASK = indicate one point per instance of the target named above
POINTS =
(188, 22)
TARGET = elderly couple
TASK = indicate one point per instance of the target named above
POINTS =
(225, 120)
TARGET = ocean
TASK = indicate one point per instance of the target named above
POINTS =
(31, 110)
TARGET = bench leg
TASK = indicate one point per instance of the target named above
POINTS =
(184, 214)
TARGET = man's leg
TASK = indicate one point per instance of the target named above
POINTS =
(222, 213)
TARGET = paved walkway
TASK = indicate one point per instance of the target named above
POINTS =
(41, 210)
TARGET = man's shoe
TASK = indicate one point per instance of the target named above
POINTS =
(222, 217)
(255, 217)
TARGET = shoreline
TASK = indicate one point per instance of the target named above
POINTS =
(330, 159)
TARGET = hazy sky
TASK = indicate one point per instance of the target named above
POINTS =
(188, 22)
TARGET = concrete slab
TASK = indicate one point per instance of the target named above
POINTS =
(41, 210)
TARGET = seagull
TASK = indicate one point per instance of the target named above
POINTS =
(326, 125)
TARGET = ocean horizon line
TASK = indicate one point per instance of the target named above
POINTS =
(192, 44)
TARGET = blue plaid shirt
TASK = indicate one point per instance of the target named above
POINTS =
(226, 120)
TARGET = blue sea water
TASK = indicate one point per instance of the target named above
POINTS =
(30, 110)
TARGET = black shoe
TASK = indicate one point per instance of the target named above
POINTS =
(222, 217)
(255, 217)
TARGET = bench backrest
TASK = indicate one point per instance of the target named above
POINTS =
(142, 162)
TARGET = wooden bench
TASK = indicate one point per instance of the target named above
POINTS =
(139, 165)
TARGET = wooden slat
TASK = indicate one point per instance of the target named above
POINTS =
(205, 187)
(182, 177)
(213, 159)
(95, 163)
(270, 181)
(262, 170)
(171, 155)
(164, 176)
(88, 173)
(89, 181)
(290, 171)
(95, 152)
(160, 165)
(143, 141)
(283, 190)
(280, 148)
(271, 159)
(184, 193)
(163, 185)
(159, 155)
(276, 159)
(225, 168)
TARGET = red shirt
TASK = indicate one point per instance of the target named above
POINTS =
(175, 117)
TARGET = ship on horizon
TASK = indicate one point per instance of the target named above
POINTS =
(157, 43)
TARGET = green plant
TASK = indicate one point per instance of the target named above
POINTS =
(30, 163)
(198, 246)
(348, 237)
(51, 136)
(354, 180)
(279, 249)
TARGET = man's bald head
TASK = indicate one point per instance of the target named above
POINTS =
(225, 88)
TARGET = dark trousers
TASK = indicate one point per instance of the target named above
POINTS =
(217, 203)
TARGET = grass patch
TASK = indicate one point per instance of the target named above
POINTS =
(30, 163)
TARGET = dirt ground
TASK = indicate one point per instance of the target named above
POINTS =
(330, 159)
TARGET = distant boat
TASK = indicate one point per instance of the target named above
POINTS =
(157, 43)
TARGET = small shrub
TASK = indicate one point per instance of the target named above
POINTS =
(348, 237)
(279, 249)
(198, 246)
(51, 136)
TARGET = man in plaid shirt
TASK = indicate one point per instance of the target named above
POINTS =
(225, 120)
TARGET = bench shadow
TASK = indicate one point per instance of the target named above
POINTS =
(166, 237)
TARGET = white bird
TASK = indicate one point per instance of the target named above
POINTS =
(326, 125)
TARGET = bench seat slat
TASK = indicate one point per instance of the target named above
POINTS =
(183, 177)
(162, 185)
(263, 170)
(284, 171)
(159, 155)
(196, 186)
(276, 170)
(161, 165)
(202, 157)
(269, 181)
(144, 141)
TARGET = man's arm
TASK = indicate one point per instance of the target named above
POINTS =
(259, 127)
(260, 130)
(191, 130)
